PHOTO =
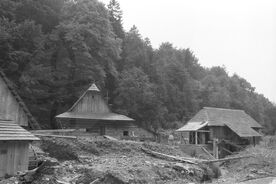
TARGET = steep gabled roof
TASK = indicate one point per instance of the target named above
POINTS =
(104, 114)
(33, 124)
(10, 131)
(219, 116)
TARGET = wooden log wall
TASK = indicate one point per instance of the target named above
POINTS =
(13, 157)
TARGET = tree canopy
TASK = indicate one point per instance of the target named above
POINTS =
(52, 50)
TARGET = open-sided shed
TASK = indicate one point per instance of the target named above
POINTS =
(14, 148)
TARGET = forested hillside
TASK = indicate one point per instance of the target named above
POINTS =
(52, 50)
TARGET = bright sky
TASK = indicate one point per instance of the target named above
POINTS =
(239, 34)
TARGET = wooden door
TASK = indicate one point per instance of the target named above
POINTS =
(102, 130)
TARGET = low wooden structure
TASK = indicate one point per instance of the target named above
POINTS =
(14, 148)
(12, 106)
(92, 113)
(221, 126)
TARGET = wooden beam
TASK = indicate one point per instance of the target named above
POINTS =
(57, 136)
(207, 152)
(53, 131)
(174, 158)
(226, 159)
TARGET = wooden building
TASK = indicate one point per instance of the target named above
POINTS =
(227, 128)
(14, 148)
(92, 113)
(12, 106)
(222, 124)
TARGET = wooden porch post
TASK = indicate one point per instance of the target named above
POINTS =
(215, 148)
(195, 137)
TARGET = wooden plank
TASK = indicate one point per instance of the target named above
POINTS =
(207, 152)
(53, 131)
(174, 158)
(227, 159)
(57, 136)
(110, 138)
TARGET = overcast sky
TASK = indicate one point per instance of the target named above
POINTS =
(239, 34)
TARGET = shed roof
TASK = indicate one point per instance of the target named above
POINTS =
(13, 132)
(95, 116)
(243, 130)
(219, 116)
(192, 126)
(32, 121)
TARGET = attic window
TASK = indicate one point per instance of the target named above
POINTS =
(125, 133)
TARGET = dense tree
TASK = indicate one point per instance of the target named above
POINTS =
(115, 17)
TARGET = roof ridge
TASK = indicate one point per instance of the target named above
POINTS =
(223, 109)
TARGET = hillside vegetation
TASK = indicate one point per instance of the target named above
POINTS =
(52, 50)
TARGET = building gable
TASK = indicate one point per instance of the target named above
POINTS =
(90, 102)
(12, 106)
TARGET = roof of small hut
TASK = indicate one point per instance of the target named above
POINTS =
(10, 131)
(237, 120)
(33, 124)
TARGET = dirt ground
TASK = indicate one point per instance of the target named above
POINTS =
(98, 160)
(259, 169)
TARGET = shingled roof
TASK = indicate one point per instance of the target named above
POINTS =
(10, 131)
(237, 120)
(33, 124)
(219, 116)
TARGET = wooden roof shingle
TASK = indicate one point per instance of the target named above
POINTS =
(219, 116)
(10, 131)
(237, 120)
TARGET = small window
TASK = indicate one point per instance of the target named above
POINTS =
(125, 133)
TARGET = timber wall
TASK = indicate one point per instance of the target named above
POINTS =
(91, 102)
(9, 107)
(114, 129)
(13, 157)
